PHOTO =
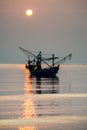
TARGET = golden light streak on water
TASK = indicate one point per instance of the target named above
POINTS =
(28, 128)
(28, 105)
(29, 109)
(28, 85)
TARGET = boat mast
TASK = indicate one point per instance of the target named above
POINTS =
(28, 52)
(53, 60)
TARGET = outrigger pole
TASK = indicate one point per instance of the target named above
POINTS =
(64, 59)
(25, 51)
(52, 58)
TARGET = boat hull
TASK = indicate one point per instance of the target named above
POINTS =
(47, 72)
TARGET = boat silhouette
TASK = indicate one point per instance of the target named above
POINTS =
(35, 65)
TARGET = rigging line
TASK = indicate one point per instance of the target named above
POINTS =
(34, 55)
(28, 55)
(28, 52)
(64, 59)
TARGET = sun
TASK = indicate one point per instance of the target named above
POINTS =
(29, 12)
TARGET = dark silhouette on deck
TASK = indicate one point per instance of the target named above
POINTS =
(35, 65)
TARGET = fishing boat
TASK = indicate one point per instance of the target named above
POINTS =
(37, 69)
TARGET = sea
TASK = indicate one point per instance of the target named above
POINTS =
(30, 103)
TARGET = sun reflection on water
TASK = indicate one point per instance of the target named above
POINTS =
(28, 85)
(29, 109)
(28, 105)
(28, 128)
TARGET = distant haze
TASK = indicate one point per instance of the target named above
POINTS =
(56, 26)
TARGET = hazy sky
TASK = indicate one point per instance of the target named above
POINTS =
(56, 26)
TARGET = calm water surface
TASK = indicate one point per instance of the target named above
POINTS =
(58, 103)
